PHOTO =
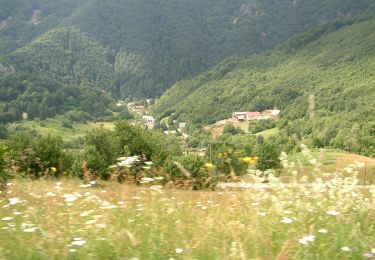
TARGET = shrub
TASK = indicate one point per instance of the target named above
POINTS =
(230, 129)
(101, 151)
(261, 125)
(36, 156)
(268, 157)
(191, 172)
(4, 175)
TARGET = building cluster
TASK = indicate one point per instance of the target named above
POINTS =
(251, 116)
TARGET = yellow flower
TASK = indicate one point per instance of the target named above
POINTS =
(248, 160)
(53, 169)
(209, 165)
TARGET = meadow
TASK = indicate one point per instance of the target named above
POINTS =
(55, 127)
(329, 216)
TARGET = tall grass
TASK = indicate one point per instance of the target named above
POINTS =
(331, 219)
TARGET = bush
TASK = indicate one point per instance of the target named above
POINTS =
(67, 124)
(230, 129)
(149, 144)
(77, 116)
(268, 157)
(101, 151)
(37, 156)
(4, 175)
(261, 125)
(190, 172)
(3, 131)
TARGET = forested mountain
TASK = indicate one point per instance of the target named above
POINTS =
(21, 21)
(335, 66)
(140, 48)
(41, 97)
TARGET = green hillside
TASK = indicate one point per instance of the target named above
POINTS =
(41, 97)
(337, 67)
(67, 55)
(151, 44)
(17, 28)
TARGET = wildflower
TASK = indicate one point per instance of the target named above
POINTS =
(255, 204)
(72, 250)
(345, 249)
(53, 169)
(179, 250)
(14, 201)
(7, 218)
(147, 179)
(305, 240)
(368, 255)
(310, 238)
(78, 242)
(323, 231)
(29, 230)
(208, 165)
(287, 220)
(373, 250)
(333, 213)
(101, 225)
(248, 160)
(90, 222)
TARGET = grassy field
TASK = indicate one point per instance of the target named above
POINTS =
(332, 161)
(268, 133)
(54, 127)
(51, 219)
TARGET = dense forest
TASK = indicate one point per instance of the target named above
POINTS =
(140, 48)
(334, 66)
(42, 98)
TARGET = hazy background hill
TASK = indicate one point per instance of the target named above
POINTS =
(146, 46)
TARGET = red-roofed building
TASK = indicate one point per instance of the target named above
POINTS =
(246, 116)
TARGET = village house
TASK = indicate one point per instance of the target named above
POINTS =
(250, 116)
(246, 116)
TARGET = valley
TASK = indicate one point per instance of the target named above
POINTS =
(202, 129)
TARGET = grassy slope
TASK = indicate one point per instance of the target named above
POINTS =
(54, 127)
(335, 67)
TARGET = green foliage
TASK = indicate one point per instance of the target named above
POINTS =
(67, 55)
(261, 125)
(101, 151)
(36, 156)
(41, 98)
(150, 144)
(4, 175)
(230, 129)
(337, 68)
(227, 151)
(268, 157)
(140, 48)
(3, 131)
(194, 175)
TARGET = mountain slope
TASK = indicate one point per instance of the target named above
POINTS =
(22, 21)
(67, 55)
(155, 43)
(336, 67)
